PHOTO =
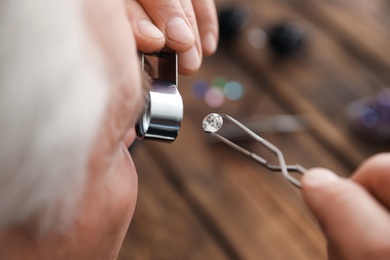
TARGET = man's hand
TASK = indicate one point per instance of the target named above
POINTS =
(188, 27)
(354, 214)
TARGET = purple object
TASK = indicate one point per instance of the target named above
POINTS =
(371, 116)
(200, 88)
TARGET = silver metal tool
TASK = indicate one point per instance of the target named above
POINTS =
(161, 119)
(276, 124)
(213, 122)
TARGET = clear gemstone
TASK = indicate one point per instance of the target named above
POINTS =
(212, 123)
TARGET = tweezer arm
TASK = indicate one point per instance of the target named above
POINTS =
(282, 167)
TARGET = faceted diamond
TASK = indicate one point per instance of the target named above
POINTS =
(212, 123)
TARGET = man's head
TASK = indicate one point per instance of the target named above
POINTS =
(70, 92)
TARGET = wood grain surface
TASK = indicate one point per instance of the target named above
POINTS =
(199, 199)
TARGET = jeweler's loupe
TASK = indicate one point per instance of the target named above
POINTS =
(162, 116)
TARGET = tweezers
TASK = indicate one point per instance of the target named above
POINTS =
(213, 122)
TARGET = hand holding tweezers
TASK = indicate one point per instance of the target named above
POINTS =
(213, 122)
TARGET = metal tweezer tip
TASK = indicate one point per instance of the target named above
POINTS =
(214, 121)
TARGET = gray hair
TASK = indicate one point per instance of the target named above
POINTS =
(53, 94)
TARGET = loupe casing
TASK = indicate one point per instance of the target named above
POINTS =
(162, 116)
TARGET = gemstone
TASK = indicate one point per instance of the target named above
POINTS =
(214, 97)
(219, 82)
(232, 20)
(212, 123)
(287, 38)
(233, 90)
(200, 88)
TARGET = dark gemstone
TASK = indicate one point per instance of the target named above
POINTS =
(231, 21)
(287, 38)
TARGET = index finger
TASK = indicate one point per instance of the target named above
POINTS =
(171, 19)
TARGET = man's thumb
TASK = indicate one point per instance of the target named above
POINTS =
(349, 216)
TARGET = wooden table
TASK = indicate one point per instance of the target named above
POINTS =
(203, 200)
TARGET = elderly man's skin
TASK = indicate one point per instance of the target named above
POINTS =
(108, 203)
(190, 28)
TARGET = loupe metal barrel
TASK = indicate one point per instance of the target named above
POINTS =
(162, 118)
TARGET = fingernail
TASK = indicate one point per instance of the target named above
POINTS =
(209, 42)
(177, 30)
(190, 60)
(319, 177)
(148, 29)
